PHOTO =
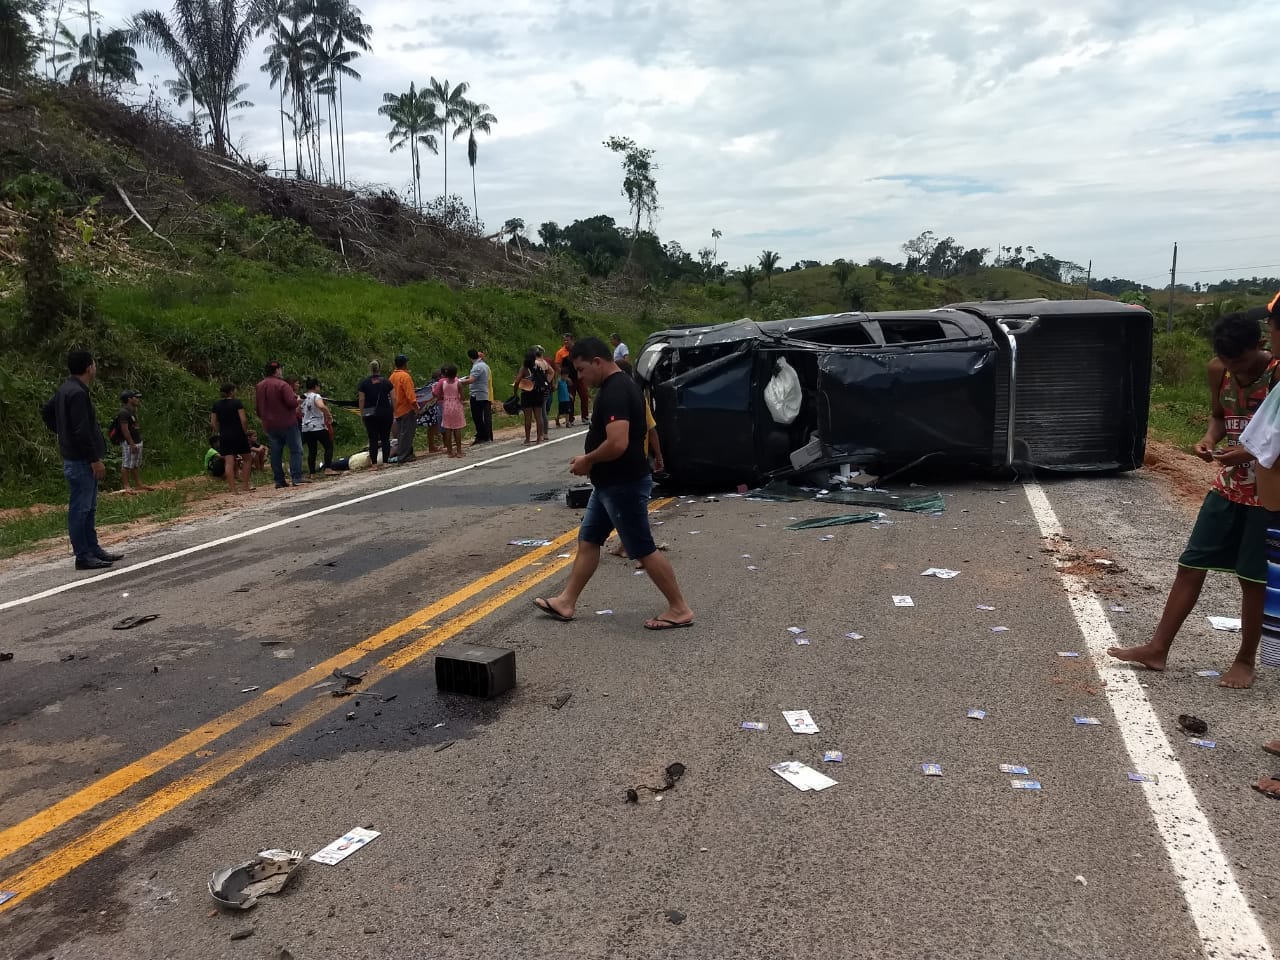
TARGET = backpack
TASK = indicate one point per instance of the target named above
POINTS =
(114, 433)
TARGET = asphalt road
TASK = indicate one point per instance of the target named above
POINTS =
(133, 763)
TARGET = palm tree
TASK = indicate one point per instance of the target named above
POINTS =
(354, 34)
(450, 102)
(841, 269)
(475, 119)
(413, 124)
(206, 41)
(105, 61)
(715, 244)
(768, 263)
(289, 56)
(181, 92)
(748, 276)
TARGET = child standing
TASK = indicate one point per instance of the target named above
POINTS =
(1230, 532)
(448, 391)
(564, 399)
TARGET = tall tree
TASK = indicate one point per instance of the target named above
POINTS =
(475, 118)
(103, 61)
(450, 102)
(768, 264)
(206, 41)
(715, 243)
(841, 269)
(413, 124)
(354, 35)
(181, 92)
(748, 277)
(19, 43)
(639, 185)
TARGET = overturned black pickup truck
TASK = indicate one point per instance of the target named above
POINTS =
(1048, 384)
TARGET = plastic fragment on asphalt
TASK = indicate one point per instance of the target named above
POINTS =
(999, 629)
(7, 895)
(942, 573)
(1207, 744)
(347, 844)
(239, 887)
(604, 613)
(1119, 608)
(983, 606)
(532, 542)
(801, 776)
(1068, 653)
(1013, 768)
(1087, 721)
(1025, 784)
(840, 520)
(832, 756)
(1208, 673)
(795, 630)
(564, 556)
(285, 653)
(1229, 624)
(976, 714)
(854, 636)
(1081, 880)
(931, 769)
(802, 641)
(1144, 777)
(248, 689)
(903, 602)
(753, 568)
(754, 725)
(799, 721)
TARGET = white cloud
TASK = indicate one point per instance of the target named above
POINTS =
(821, 128)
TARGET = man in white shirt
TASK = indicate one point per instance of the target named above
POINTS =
(620, 351)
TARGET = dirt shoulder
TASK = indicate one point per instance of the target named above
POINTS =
(1187, 477)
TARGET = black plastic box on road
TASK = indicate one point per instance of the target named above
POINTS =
(576, 497)
(475, 671)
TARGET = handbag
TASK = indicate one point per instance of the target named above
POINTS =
(512, 405)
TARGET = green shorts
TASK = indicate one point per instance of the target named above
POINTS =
(1229, 537)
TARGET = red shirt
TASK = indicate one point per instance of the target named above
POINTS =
(277, 404)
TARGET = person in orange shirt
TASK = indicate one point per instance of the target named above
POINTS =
(577, 389)
(405, 398)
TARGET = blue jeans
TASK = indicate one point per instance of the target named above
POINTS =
(623, 507)
(82, 508)
(276, 441)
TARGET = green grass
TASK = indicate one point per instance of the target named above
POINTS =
(19, 533)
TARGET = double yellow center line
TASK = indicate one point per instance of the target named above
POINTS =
(68, 857)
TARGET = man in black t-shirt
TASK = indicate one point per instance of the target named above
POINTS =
(619, 470)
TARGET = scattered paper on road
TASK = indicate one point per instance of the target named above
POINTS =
(1119, 608)
(1068, 653)
(796, 630)
(345, 845)
(1013, 768)
(1025, 784)
(999, 629)
(854, 636)
(802, 777)
(529, 543)
(984, 606)
(1208, 673)
(1087, 721)
(1144, 777)
(799, 721)
(931, 769)
(604, 613)
(7, 895)
(1207, 744)
(754, 725)
(832, 756)
(977, 714)
(802, 641)
(1230, 624)
(903, 602)
(941, 573)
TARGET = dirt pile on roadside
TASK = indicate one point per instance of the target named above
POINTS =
(1188, 477)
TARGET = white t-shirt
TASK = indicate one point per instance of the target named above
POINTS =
(1262, 436)
(620, 352)
(312, 415)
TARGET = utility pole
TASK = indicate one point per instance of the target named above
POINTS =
(1173, 278)
(1088, 276)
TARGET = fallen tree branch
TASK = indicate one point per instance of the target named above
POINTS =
(133, 210)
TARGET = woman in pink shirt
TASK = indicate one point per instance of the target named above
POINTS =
(448, 391)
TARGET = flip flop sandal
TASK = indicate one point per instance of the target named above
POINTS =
(550, 611)
(662, 623)
(1268, 748)
(128, 623)
(1272, 791)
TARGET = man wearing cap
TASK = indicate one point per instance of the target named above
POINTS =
(71, 416)
(405, 397)
(129, 435)
(278, 410)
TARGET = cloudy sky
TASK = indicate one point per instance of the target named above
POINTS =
(827, 128)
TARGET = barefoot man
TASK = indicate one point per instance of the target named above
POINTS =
(619, 470)
(1230, 532)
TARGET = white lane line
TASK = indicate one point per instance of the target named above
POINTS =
(221, 541)
(1218, 906)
